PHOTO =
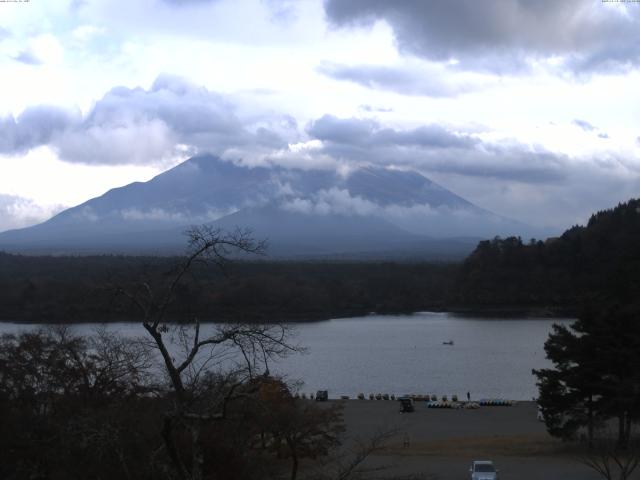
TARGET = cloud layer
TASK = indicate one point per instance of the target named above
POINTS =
(434, 148)
(175, 118)
(137, 126)
(407, 80)
(17, 212)
(501, 36)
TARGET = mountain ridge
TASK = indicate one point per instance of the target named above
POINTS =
(302, 212)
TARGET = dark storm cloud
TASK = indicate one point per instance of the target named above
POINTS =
(343, 130)
(514, 163)
(175, 117)
(511, 161)
(401, 80)
(188, 109)
(134, 125)
(434, 148)
(369, 133)
(499, 35)
(34, 127)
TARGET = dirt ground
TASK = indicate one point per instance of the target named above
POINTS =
(441, 443)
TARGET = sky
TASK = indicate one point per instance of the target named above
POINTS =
(526, 108)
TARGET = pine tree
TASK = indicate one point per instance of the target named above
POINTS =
(595, 375)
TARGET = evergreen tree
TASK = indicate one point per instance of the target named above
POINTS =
(595, 375)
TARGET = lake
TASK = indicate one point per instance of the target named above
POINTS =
(490, 357)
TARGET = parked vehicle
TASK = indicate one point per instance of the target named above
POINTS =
(322, 396)
(406, 405)
(483, 470)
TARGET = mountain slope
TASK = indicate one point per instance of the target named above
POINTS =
(301, 212)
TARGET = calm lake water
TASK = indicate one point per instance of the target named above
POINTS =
(490, 357)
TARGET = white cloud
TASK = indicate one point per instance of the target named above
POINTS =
(18, 212)
(84, 33)
(303, 155)
(86, 213)
(125, 143)
(331, 201)
(40, 175)
(164, 215)
(254, 65)
(42, 49)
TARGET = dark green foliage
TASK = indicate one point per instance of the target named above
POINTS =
(598, 263)
(595, 376)
(77, 289)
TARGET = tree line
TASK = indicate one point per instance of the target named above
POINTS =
(592, 391)
(594, 263)
(599, 262)
(81, 289)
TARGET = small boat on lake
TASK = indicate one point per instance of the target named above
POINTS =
(450, 342)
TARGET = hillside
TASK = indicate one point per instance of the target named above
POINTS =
(593, 263)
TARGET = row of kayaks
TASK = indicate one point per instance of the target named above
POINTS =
(454, 405)
(496, 402)
(493, 402)
(431, 400)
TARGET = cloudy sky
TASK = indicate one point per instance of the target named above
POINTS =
(527, 108)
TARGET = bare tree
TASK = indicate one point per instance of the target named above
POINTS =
(611, 461)
(301, 427)
(349, 464)
(212, 370)
(65, 402)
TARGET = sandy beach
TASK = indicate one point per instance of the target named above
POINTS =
(441, 443)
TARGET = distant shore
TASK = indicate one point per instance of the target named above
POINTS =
(480, 312)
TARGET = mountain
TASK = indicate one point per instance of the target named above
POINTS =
(368, 211)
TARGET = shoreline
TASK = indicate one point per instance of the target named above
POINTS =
(511, 313)
(443, 442)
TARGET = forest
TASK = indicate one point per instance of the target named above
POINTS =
(77, 289)
(592, 263)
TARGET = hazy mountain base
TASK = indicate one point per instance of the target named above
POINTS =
(596, 263)
(372, 212)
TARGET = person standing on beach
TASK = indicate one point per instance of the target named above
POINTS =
(468, 397)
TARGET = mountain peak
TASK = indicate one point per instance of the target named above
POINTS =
(389, 207)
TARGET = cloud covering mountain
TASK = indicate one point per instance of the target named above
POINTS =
(301, 212)
(526, 108)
